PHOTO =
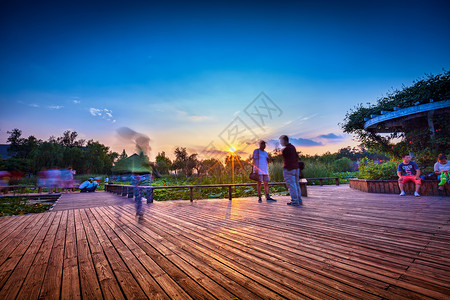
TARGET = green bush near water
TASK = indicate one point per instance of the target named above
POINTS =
(20, 206)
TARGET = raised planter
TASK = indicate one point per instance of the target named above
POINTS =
(428, 188)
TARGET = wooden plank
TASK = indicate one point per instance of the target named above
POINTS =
(108, 283)
(145, 280)
(51, 286)
(341, 243)
(240, 290)
(12, 286)
(198, 271)
(33, 282)
(89, 284)
(162, 279)
(241, 251)
(70, 288)
(14, 250)
(127, 281)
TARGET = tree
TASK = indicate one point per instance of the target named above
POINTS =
(184, 161)
(212, 166)
(47, 155)
(343, 164)
(20, 147)
(69, 139)
(163, 163)
(414, 136)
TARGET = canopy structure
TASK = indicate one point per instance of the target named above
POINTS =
(134, 164)
(394, 121)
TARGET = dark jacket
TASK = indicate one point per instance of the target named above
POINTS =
(290, 157)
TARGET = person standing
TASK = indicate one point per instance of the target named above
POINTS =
(408, 171)
(441, 169)
(136, 180)
(291, 171)
(261, 165)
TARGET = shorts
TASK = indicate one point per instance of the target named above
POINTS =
(264, 177)
(412, 178)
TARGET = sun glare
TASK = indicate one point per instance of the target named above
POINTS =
(232, 149)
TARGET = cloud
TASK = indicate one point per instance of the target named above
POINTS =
(297, 142)
(199, 118)
(34, 105)
(95, 111)
(104, 113)
(141, 141)
(76, 101)
(55, 106)
(330, 136)
(304, 142)
(196, 118)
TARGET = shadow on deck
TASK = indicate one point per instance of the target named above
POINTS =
(341, 244)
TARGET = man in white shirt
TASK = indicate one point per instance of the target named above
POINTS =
(261, 166)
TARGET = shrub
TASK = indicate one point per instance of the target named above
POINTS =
(317, 169)
(343, 164)
(370, 170)
(276, 172)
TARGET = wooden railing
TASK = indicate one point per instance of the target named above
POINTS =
(148, 191)
(13, 188)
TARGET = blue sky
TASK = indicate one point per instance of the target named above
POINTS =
(181, 72)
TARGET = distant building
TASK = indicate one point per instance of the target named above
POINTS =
(4, 151)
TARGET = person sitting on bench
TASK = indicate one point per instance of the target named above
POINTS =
(88, 186)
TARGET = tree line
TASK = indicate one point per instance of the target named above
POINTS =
(30, 155)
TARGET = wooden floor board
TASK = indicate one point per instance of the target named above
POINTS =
(341, 244)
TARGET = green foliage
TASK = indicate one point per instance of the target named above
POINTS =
(163, 163)
(343, 164)
(276, 172)
(370, 170)
(20, 206)
(317, 169)
(31, 155)
(415, 135)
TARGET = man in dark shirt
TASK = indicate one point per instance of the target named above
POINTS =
(291, 172)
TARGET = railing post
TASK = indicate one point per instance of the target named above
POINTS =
(230, 194)
(321, 181)
(149, 195)
(191, 193)
(124, 191)
(337, 181)
(130, 192)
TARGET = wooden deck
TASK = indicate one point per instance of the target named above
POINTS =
(342, 244)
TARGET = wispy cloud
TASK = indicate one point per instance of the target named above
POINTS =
(195, 118)
(55, 106)
(34, 105)
(330, 136)
(199, 118)
(301, 142)
(104, 113)
(76, 101)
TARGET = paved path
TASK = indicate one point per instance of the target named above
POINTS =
(342, 244)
